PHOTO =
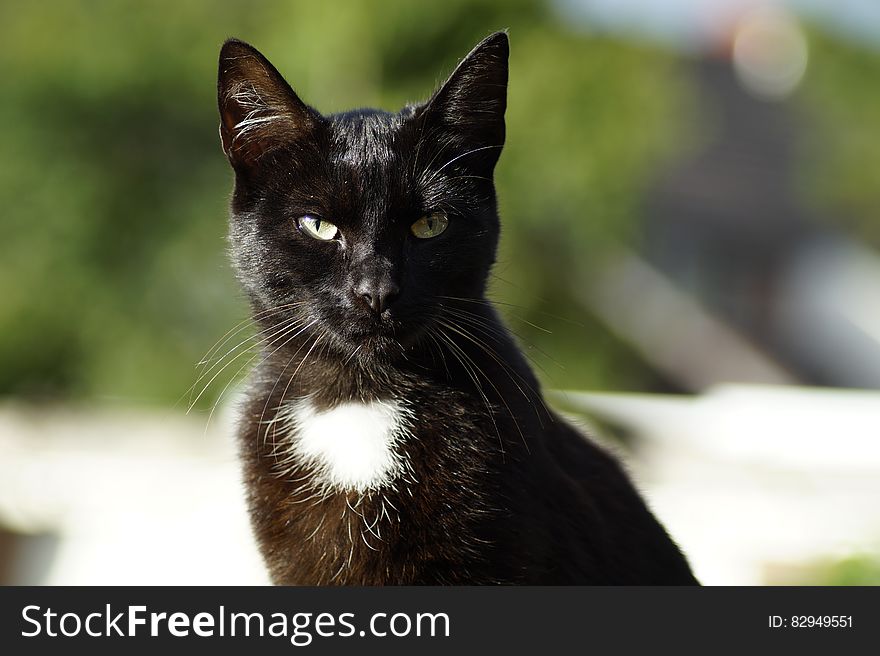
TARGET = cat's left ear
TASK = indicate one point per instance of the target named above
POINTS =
(467, 111)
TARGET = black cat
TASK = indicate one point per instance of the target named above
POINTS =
(393, 432)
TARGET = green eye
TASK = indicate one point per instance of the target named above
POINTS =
(317, 228)
(429, 226)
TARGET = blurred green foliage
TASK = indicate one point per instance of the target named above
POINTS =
(113, 276)
(863, 569)
(841, 156)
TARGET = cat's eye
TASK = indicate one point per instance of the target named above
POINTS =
(429, 225)
(317, 228)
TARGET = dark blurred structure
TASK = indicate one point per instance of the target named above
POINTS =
(727, 226)
(724, 223)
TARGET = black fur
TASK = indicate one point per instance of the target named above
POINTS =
(500, 489)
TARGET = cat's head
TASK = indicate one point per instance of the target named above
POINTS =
(360, 226)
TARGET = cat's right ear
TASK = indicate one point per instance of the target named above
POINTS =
(259, 112)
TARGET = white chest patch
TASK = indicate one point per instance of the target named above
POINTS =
(352, 446)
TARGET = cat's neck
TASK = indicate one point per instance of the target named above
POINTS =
(469, 349)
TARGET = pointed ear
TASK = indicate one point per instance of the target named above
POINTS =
(258, 110)
(467, 112)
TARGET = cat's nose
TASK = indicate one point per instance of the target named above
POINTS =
(377, 294)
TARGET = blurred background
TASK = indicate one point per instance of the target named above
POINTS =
(690, 195)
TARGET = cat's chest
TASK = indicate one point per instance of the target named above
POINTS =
(352, 446)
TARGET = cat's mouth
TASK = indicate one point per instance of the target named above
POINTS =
(372, 348)
(379, 337)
